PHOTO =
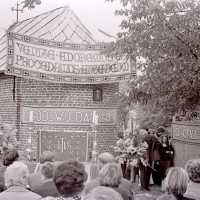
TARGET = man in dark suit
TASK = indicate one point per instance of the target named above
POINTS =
(47, 188)
(157, 151)
(145, 171)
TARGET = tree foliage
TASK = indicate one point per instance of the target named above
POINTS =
(30, 4)
(163, 37)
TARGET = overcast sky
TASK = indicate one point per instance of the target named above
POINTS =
(94, 14)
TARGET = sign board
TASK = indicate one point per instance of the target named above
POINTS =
(61, 62)
(65, 145)
(65, 116)
(186, 141)
(186, 132)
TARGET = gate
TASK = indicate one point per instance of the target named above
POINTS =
(66, 145)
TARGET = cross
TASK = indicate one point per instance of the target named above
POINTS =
(17, 9)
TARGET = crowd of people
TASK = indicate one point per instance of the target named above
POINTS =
(69, 180)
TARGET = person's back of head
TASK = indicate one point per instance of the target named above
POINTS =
(10, 156)
(47, 156)
(110, 175)
(105, 158)
(103, 193)
(69, 177)
(47, 170)
(193, 169)
(176, 181)
(16, 174)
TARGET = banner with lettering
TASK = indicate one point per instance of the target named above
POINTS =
(66, 116)
(62, 62)
(186, 131)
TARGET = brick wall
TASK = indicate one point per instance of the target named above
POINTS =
(45, 94)
(8, 107)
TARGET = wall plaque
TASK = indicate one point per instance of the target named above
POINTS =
(186, 135)
(64, 116)
(186, 132)
(65, 145)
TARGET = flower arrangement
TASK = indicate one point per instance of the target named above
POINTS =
(126, 152)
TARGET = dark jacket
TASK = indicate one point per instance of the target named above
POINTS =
(18, 193)
(48, 188)
(151, 140)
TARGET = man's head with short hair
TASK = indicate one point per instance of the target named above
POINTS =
(160, 131)
(16, 174)
(105, 158)
(10, 156)
(47, 170)
(120, 135)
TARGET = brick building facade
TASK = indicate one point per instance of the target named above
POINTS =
(39, 95)
(54, 79)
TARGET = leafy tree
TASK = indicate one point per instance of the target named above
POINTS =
(163, 38)
(30, 4)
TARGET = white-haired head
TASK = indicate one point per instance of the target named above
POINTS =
(105, 158)
(103, 193)
(16, 174)
(110, 175)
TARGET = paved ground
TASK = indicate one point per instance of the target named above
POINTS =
(154, 191)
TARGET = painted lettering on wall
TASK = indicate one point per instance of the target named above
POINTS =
(67, 116)
(186, 132)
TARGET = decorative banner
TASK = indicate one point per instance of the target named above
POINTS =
(61, 62)
(65, 116)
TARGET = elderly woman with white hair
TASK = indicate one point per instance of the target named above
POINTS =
(103, 159)
(193, 170)
(175, 184)
(103, 193)
(111, 176)
(16, 176)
